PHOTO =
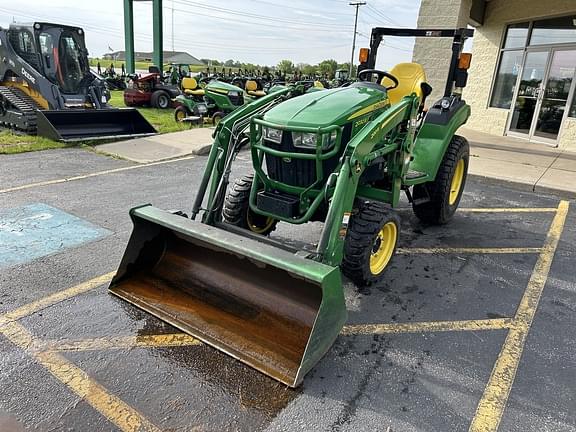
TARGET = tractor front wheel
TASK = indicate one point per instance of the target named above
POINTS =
(160, 99)
(237, 209)
(370, 243)
(180, 113)
(436, 202)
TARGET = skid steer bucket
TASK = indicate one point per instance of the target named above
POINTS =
(267, 307)
(81, 125)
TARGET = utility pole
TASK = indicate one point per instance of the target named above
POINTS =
(172, 26)
(357, 5)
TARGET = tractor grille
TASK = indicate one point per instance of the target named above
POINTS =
(237, 100)
(299, 172)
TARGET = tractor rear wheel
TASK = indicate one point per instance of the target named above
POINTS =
(160, 99)
(436, 202)
(237, 209)
(370, 243)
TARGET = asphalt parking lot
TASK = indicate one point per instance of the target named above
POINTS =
(472, 330)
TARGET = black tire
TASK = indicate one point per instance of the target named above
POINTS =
(217, 117)
(365, 228)
(180, 113)
(160, 99)
(435, 202)
(237, 209)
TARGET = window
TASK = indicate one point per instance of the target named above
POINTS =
(503, 92)
(46, 44)
(517, 38)
(25, 43)
(572, 112)
(554, 31)
(516, 35)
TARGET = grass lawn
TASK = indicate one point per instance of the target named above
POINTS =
(162, 120)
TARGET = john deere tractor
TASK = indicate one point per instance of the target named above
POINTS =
(215, 100)
(341, 156)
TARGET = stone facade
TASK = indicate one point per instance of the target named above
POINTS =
(435, 53)
(486, 49)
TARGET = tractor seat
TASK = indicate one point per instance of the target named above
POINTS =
(411, 79)
(190, 87)
(199, 92)
(251, 88)
(257, 93)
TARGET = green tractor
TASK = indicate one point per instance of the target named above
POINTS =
(341, 156)
(214, 101)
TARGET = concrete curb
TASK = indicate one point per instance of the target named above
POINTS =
(525, 187)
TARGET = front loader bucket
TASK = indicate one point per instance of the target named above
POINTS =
(264, 306)
(92, 124)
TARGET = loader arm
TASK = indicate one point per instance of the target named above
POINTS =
(395, 128)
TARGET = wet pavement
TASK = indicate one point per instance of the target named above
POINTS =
(417, 355)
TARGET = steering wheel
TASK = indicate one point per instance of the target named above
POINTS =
(366, 74)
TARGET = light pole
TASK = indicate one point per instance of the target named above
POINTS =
(357, 5)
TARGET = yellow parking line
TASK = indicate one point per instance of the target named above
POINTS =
(57, 297)
(507, 250)
(432, 326)
(493, 402)
(122, 342)
(113, 408)
(94, 174)
(509, 210)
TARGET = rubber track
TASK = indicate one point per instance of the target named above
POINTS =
(21, 110)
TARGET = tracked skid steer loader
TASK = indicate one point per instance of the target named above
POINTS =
(341, 156)
(48, 89)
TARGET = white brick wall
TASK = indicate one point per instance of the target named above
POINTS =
(487, 41)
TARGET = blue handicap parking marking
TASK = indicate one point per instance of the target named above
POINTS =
(38, 230)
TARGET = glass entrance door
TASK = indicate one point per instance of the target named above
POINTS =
(543, 93)
(554, 99)
(529, 89)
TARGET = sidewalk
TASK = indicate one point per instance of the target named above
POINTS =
(161, 147)
(531, 166)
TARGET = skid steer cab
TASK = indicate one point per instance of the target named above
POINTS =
(341, 156)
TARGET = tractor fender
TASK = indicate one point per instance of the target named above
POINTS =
(434, 136)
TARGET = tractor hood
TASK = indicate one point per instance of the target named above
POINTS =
(328, 107)
(222, 87)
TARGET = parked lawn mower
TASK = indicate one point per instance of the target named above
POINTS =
(341, 156)
(214, 101)
(149, 90)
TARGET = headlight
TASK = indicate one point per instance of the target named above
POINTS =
(274, 135)
(304, 140)
(309, 140)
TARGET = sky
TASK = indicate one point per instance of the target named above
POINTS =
(255, 31)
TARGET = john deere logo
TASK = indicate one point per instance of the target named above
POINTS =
(287, 159)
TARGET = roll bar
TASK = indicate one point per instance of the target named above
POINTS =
(458, 36)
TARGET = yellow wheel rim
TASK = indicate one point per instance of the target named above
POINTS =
(457, 180)
(383, 248)
(257, 228)
(180, 115)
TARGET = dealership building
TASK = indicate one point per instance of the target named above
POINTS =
(522, 81)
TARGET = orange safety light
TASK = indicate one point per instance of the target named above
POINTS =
(364, 52)
(464, 61)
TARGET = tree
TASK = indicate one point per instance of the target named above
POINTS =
(286, 66)
(328, 68)
(307, 69)
(229, 63)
